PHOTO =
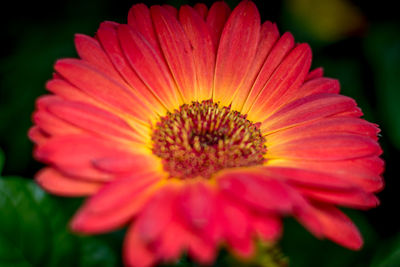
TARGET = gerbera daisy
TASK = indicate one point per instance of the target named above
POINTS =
(199, 128)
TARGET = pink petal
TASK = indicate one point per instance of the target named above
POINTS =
(149, 66)
(332, 125)
(302, 176)
(308, 109)
(203, 53)
(37, 136)
(139, 18)
(354, 198)
(102, 88)
(156, 215)
(115, 204)
(57, 183)
(150, 102)
(326, 147)
(135, 252)
(338, 227)
(236, 51)
(196, 203)
(75, 155)
(236, 228)
(267, 227)
(279, 51)
(201, 9)
(177, 51)
(91, 51)
(216, 19)
(255, 188)
(285, 80)
(348, 171)
(268, 36)
(314, 74)
(94, 120)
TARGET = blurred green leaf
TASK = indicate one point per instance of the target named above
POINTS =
(24, 240)
(383, 52)
(34, 230)
(388, 254)
(96, 252)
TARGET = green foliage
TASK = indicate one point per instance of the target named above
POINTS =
(34, 230)
(388, 254)
(383, 50)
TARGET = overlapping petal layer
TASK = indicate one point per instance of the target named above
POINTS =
(95, 131)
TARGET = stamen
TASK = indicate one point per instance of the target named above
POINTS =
(202, 138)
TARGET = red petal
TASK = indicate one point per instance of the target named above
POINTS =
(115, 204)
(333, 125)
(90, 50)
(176, 239)
(197, 205)
(75, 155)
(285, 80)
(236, 51)
(149, 66)
(173, 241)
(102, 88)
(255, 188)
(305, 214)
(136, 254)
(308, 109)
(94, 120)
(57, 183)
(139, 18)
(171, 9)
(156, 215)
(37, 136)
(216, 19)
(351, 171)
(201, 9)
(66, 90)
(307, 177)
(281, 48)
(123, 163)
(268, 37)
(326, 147)
(354, 198)
(315, 73)
(316, 86)
(177, 51)
(201, 251)
(236, 227)
(107, 34)
(338, 227)
(202, 49)
(50, 124)
(267, 227)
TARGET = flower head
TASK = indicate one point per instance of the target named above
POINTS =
(199, 128)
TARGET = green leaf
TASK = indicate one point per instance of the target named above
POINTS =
(34, 230)
(96, 252)
(23, 231)
(388, 253)
(383, 53)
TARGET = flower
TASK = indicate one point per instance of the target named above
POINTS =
(199, 128)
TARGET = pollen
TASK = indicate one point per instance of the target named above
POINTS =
(202, 138)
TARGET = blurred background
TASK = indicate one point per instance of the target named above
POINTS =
(357, 42)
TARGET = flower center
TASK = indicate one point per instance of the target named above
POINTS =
(202, 138)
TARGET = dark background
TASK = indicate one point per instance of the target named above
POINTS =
(357, 42)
